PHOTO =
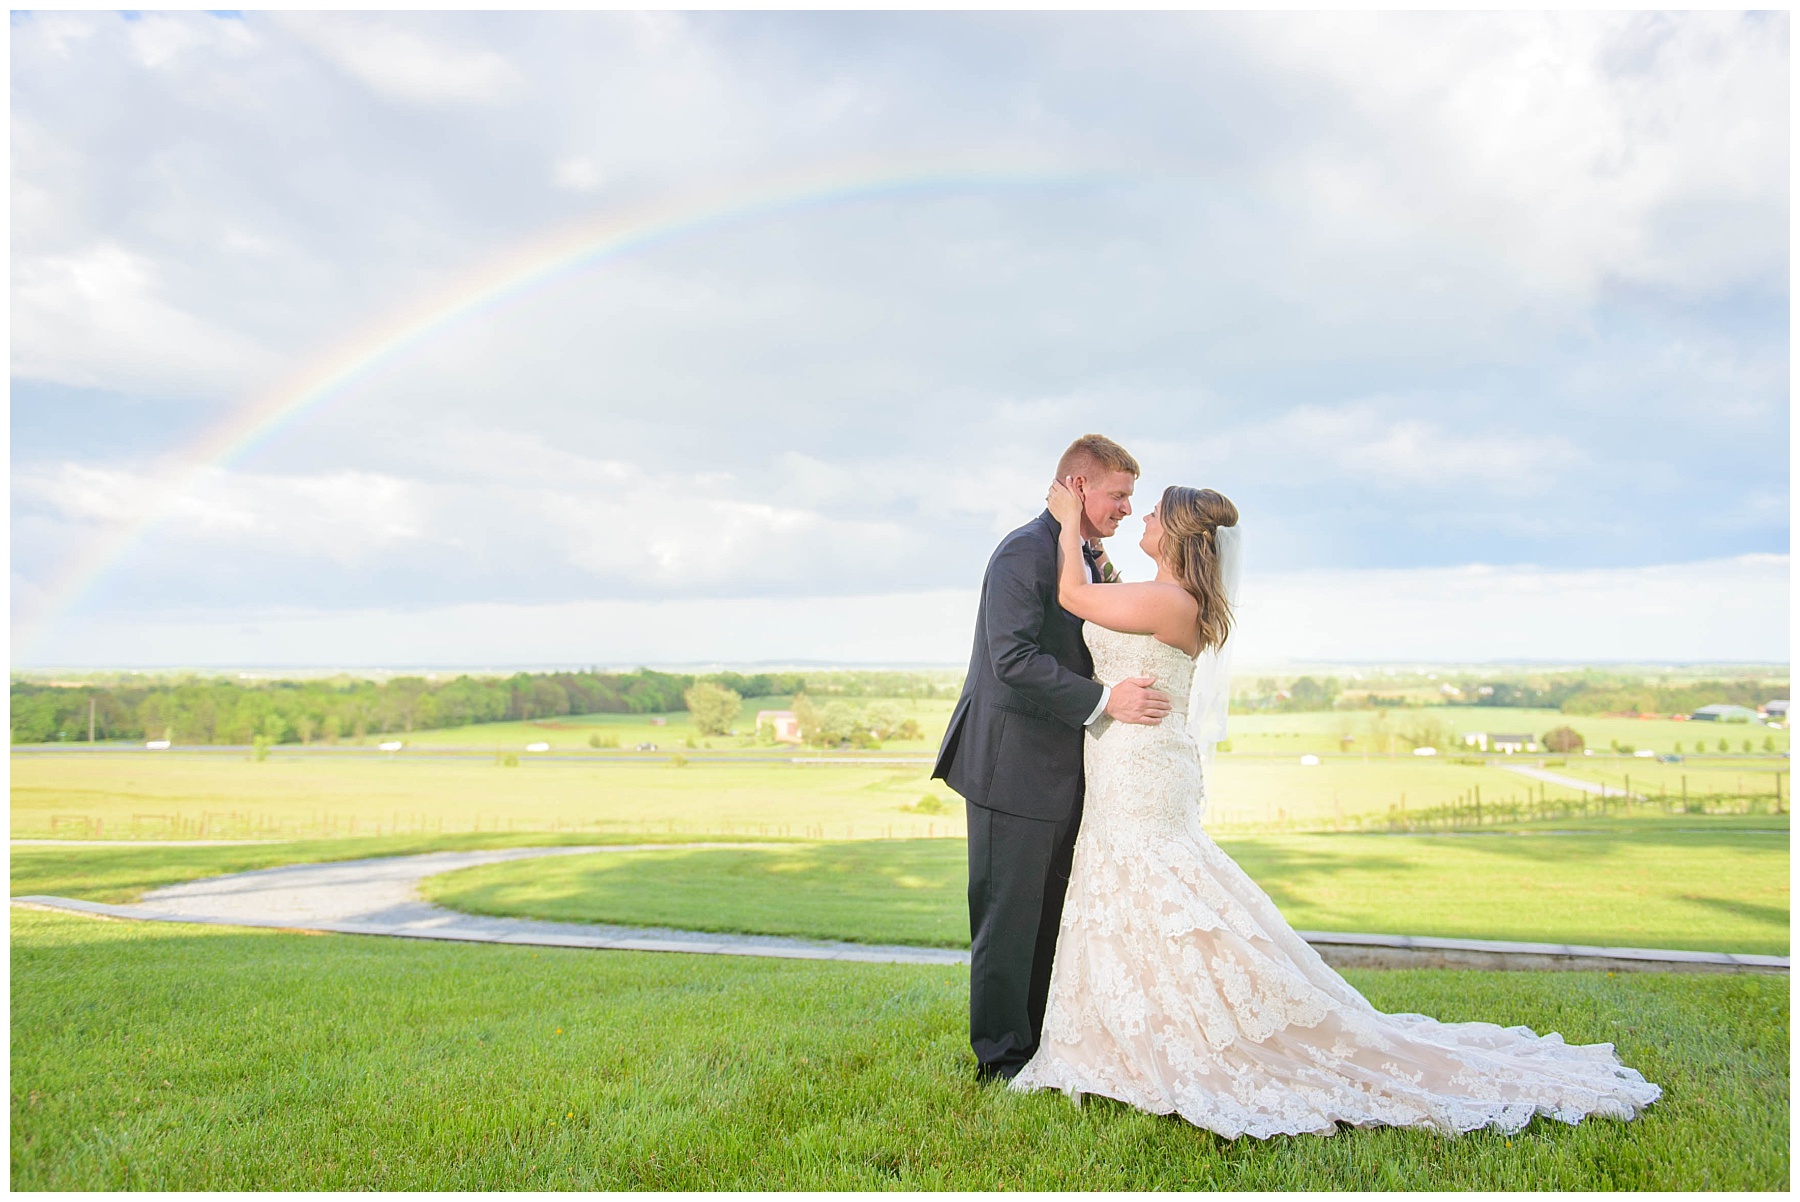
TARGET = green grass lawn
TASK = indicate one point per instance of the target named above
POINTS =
(1706, 883)
(1674, 886)
(911, 891)
(157, 1057)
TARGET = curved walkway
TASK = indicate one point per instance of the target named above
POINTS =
(380, 897)
(1591, 788)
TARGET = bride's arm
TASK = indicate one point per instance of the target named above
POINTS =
(1148, 608)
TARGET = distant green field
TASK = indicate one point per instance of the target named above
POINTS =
(1377, 731)
(1370, 732)
(1751, 776)
(1260, 791)
(1696, 886)
(572, 733)
(182, 795)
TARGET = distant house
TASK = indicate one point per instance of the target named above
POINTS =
(782, 722)
(1776, 709)
(1476, 738)
(1512, 743)
(1725, 713)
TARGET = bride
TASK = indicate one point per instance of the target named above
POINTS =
(1177, 986)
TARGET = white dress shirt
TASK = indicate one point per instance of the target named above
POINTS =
(1105, 689)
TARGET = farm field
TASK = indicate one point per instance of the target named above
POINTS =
(570, 733)
(224, 794)
(1375, 730)
(182, 795)
(1737, 776)
(156, 1057)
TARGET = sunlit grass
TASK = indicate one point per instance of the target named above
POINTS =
(155, 1057)
(1691, 888)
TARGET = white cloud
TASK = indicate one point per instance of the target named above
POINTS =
(1725, 610)
(1729, 609)
(341, 516)
(1646, 147)
(898, 629)
(1370, 443)
(403, 63)
(1410, 287)
(578, 174)
(97, 317)
(162, 40)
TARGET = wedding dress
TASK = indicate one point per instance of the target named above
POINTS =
(1178, 987)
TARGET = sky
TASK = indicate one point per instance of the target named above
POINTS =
(488, 338)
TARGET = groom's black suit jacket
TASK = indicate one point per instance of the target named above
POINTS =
(1014, 743)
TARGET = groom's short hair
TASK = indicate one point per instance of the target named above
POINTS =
(1092, 454)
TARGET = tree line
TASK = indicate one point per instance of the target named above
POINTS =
(222, 710)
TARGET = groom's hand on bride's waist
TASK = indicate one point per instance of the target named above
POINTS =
(1135, 701)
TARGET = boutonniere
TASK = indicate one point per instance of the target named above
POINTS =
(1102, 565)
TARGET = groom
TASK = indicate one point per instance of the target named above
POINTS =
(1014, 751)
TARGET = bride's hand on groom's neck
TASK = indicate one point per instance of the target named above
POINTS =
(1064, 502)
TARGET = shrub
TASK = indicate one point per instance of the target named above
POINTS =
(599, 740)
(1563, 740)
(931, 803)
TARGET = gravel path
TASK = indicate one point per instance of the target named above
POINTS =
(380, 897)
(1563, 782)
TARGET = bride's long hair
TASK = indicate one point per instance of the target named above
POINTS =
(1191, 518)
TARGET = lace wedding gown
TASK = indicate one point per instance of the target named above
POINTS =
(1179, 988)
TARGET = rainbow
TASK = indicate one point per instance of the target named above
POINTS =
(522, 271)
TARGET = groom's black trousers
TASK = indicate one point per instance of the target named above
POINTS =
(1018, 874)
